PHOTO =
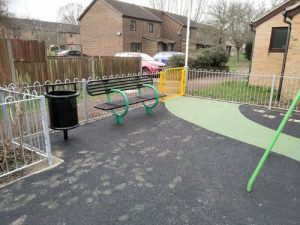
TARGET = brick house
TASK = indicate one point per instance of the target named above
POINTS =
(65, 35)
(174, 27)
(276, 48)
(111, 26)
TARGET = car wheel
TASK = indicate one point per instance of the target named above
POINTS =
(145, 70)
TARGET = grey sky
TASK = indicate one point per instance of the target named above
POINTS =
(47, 9)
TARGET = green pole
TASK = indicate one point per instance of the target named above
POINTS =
(275, 138)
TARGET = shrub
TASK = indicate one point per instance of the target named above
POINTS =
(179, 60)
(248, 50)
(211, 57)
(207, 58)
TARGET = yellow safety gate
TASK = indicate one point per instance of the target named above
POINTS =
(172, 82)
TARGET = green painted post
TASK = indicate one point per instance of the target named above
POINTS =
(276, 136)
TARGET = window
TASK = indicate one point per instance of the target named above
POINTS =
(201, 46)
(150, 27)
(133, 25)
(136, 47)
(278, 39)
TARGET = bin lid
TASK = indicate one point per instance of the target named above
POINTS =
(62, 94)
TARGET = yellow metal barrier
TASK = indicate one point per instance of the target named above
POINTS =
(172, 82)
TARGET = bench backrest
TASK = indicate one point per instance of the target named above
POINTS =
(104, 86)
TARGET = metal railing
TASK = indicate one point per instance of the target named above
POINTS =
(85, 103)
(243, 88)
(24, 135)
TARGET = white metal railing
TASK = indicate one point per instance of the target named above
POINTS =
(85, 102)
(243, 88)
(24, 135)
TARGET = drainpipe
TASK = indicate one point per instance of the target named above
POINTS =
(285, 55)
(253, 44)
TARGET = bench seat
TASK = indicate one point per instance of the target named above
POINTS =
(121, 103)
(121, 85)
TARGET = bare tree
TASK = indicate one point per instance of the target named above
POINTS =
(3, 7)
(70, 13)
(181, 7)
(275, 2)
(219, 19)
(232, 19)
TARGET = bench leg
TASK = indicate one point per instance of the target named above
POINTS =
(119, 119)
(119, 116)
(149, 110)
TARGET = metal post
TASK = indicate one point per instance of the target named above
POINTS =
(84, 95)
(4, 109)
(46, 129)
(65, 134)
(187, 41)
(272, 91)
(188, 34)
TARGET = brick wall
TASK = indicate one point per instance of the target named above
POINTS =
(172, 30)
(140, 32)
(293, 57)
(263, 61)
(293, 60)
(267, 63)
(150, 47)
(98, 29)
(50, 37)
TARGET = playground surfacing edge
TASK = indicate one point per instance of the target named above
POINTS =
(226, 119)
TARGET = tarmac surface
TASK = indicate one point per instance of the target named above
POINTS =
(272, 119)
(154, 169)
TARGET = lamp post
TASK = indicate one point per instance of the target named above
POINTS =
(186, 67)
(188, 35)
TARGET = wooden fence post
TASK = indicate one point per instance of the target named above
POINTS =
(93, 67)
(11, 62)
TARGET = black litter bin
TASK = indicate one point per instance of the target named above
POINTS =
(62, 106)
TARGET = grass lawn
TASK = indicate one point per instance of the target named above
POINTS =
(234, 65)
(237, 91)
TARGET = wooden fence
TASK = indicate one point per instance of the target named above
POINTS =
(26, 61)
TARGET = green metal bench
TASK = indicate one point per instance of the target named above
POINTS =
(119, 86)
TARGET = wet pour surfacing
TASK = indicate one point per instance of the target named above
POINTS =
(155, 169)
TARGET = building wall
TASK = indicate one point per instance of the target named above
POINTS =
(98, 28)
(62, 38)
(150, 47)
(292, 68)
(263, 61)
(140, 32)
(267, 63)
(172, 30)
(293, 57)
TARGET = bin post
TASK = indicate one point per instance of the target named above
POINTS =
(46, 130)
(272, 91)
(84, 95)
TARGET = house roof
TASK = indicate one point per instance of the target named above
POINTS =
(276, 10)
(27, 24)
(127, 10)
(292, 11)
(182, 19)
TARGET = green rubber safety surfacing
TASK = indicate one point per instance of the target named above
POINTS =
(226, 119)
